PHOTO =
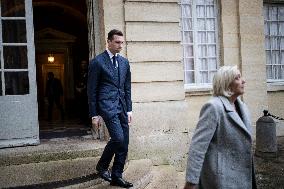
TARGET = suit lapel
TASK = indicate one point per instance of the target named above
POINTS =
(120, 68)
(234, 115)
(108, 63)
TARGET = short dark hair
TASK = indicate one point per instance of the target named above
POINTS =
(112, 33)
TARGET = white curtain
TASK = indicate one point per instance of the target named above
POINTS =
(274, 41)
(199, 34)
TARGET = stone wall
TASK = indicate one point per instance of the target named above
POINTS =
(165, 115)
(252, 55)
(276, 103)
(152, 34)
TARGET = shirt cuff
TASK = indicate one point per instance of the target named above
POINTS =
(95, 117)
(129, 113)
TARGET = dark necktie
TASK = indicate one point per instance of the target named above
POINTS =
(114, 61)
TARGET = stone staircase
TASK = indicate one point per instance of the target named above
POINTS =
(71, 164)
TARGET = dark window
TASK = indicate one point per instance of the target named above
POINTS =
(16, 83)
(14, 31)
(15, 57)
(13, 8)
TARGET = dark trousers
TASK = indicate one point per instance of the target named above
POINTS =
(117, 146)
(51, 101)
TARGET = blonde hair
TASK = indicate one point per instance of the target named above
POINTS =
(222, 80)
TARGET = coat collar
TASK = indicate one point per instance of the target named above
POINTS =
(243, 123)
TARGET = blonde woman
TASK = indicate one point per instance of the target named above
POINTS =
(220, 155)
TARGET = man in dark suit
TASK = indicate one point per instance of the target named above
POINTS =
(109, 96)
(53, 92)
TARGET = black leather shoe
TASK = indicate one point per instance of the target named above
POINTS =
(120, 182)
(103, 173)
(106, 175)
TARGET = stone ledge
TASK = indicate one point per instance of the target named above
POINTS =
(50, 151)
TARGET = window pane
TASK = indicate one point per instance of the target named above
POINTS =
(265, 13)
(212, 64)
(16, 83)
(274, 72)
(278, 73)
(204, 77)
(187, 37)
(14, 31)
(189, 77)
(203, 63)
(273, 13)
(187, 24)
(282, 43)
(273, 28)
(188, 51)
(201, 24)
(200, 11)
(282, 57)
(211, 37)
(281, 13)
(211, 51)
(267, 43)
(268, 57)
(266, 28)
(210, 11)
(274, 43)
(210, 24)
(15, 57)
(186, 11)
(269, 72)
(13, 8)
(201, 37)
(275, 57)
(201, 51)
(189, 64)
(281, 28)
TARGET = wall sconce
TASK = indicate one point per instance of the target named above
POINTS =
(50, 58)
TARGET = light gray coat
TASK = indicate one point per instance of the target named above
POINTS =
(220, 155)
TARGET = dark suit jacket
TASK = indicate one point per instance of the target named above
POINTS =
(104, 89)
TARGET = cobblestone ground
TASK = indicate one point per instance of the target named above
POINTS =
(270, 172)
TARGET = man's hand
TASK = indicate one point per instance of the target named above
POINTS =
(96, 122)
(129, 118)
(189, 185)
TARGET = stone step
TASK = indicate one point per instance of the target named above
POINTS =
(166, 177)
(51, 151)
(138, 172)
(33, 174)
(49, 165)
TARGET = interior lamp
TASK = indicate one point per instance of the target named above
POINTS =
(50, 58)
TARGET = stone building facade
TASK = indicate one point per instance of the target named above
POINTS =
(167, 101)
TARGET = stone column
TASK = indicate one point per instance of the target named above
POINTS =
(95, 27)
(96, 42)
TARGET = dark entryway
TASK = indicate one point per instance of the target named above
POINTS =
(61, 33)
